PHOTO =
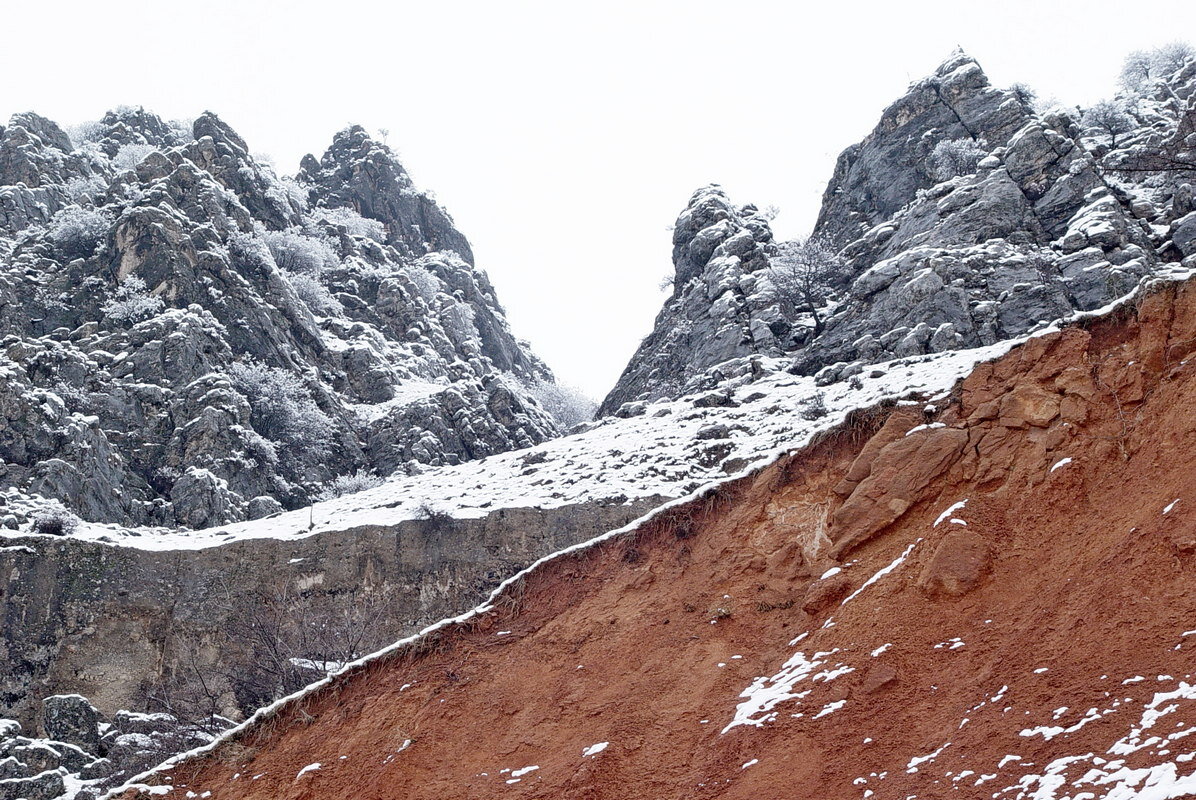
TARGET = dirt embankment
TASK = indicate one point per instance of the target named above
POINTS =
(986, 599)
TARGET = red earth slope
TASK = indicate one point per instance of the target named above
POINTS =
(1031, 642)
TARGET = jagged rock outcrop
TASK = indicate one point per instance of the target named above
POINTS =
(1044, 220)
(877, 177)
(360, 173)
(718, 310)
(187, 339)
(82, 753)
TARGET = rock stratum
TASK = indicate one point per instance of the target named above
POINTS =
(1045, 217)
(952, 599)
(187, 339)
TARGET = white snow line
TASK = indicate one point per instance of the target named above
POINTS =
(897, 562)
(950, 510)
(1063, 462)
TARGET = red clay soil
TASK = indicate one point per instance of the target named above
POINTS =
(1058, 588)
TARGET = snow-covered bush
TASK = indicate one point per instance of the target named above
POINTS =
(84, 132)
(567, 405)
(55, 522)
(249, 251)
(297, 252)
(183, 128)
(1108, 118)
(85, 189)
(314, 294)
(953, 157)
(353, 222)
(130, 155)
(282, 408)
(358, 481)
(132, 302)
(425, 282)
(75, 232)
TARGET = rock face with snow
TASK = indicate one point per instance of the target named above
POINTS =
(187, 339)
(716, 312)
(1042, 219)
(82, 754)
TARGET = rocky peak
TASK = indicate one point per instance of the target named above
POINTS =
(964, 218)
(720, 309)
(875, 178)
(363, 174)
(186, 334)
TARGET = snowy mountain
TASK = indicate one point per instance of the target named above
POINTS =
(897, 511)
(188, 339)
(966, 217)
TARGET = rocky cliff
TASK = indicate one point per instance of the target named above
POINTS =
(188, 339)
(1036, 214)
(928, 600)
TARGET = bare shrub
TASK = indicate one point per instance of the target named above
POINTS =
(351, 483)
(55, 522)
(954, 157)
(814, 408)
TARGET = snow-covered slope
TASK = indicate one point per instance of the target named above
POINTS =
(671, 449)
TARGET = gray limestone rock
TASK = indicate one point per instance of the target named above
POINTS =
(171, 259)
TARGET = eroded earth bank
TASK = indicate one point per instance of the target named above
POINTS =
(984, 597)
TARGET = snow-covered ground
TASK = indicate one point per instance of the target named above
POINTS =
(672, 449)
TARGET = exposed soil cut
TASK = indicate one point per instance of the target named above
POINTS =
(986, 599)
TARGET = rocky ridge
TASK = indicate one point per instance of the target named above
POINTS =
(188, 339)
(1046, 218)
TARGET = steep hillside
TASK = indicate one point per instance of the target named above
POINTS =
(931, 600)
(966, 217)
(187, 339)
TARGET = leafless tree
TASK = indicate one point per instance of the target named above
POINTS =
(286, 640)
(1109, 119)
(804, 273)
(1143, 67)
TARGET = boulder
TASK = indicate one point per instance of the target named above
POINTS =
(71, 718)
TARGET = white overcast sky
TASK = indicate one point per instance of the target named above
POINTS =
(563, 137)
